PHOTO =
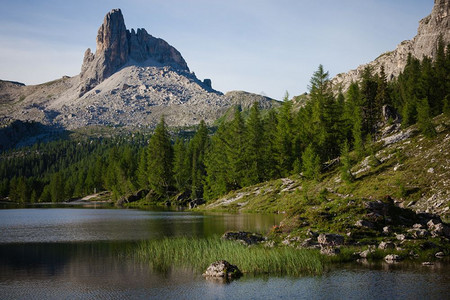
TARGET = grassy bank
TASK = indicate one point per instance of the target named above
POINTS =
(198, 254)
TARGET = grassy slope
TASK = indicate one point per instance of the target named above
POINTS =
(415, 172)
(412, 173)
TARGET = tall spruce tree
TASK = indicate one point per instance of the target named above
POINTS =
(346, 164)
(371, 107)
(354, 111)
(197, 150)
(284, 137)
(270, 149)
(326, 121)
(255, 147)
(181, 166)
(311, 163)
(160, 160)
(235, 149)
(424, 118)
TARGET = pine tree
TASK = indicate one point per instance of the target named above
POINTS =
(441, 78)
(311, 163)
(326, 121)
(160, 161)
(235, 149)
(197, 150)
(284, 137)
(216, 163)
(383, 96)
(142, 176)
(255, 146)
(371, 108)
(354, 112)
(270, 150)
(346, 165)
(181, 166)
(424, 119)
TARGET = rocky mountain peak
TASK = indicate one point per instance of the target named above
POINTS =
(117, 47)
(431, 28)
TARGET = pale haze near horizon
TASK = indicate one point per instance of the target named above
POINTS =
(264, 47)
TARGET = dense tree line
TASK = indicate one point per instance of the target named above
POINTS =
(64, 169)
(242, 152)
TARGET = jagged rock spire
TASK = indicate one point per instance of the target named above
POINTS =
(117, 46)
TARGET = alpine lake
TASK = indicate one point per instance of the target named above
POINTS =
(84, 253)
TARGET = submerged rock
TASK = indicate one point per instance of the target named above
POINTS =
(392, 258)
(223, 269)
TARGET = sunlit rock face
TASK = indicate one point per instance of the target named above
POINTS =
(431, 28)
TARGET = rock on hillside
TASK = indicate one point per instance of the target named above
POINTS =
(423, 44)
(132, 80)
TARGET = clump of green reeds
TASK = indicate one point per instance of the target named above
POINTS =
(199, 253)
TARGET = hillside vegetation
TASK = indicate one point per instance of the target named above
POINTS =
(406, 166)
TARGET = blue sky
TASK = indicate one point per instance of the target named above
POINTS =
(259, 46)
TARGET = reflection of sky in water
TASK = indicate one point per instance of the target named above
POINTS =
(51, 264)
(74, 224)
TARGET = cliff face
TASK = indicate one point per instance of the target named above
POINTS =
(132, 79)
(436, 25)
(117, 46)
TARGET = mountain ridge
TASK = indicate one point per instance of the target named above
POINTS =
(430, 29)
(132, 79)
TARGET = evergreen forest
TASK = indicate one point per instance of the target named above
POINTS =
(250, 148)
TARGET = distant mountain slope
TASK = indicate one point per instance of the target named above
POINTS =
(431, 28)
(132, 80)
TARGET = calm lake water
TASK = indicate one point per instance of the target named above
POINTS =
(73, 253)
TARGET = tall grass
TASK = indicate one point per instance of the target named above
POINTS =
(198, 254)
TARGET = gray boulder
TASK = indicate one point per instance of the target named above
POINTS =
(364, 223)
(392, 258)
(330, 239)
(330, 251)
(386, 245)
(222, 269)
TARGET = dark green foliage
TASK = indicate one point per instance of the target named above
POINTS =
(243, 151)
(255, 150)
(160, 161)
(181, 166)
(326, 116)
(284, 137)
(371, 104)
(446, 105)
(424, 118)
(346, 164)
(311, 163)
(197, 153)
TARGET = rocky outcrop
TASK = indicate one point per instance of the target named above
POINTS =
(330, 239)
(423, 44)
(116, 46)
